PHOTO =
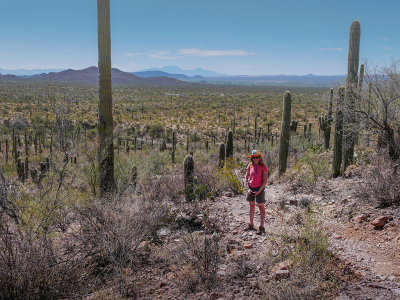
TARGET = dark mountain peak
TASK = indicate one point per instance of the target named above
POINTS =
(91, 75)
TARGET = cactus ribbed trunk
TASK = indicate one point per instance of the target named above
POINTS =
(229, 145)
(221, 155)
(285, 133)
(327, 132)
(337, 148)
(349, 122)
(105, 115)
(188, 172)
(325, 122)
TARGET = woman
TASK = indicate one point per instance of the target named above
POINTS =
(256, 179)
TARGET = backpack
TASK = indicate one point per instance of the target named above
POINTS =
(262, 169)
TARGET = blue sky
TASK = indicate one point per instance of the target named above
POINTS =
(252, 37)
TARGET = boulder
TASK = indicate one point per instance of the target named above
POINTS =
(380, 222)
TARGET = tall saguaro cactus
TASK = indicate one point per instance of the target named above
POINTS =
(325, 122)
(188, 173)
(337, 147)
(349, 122)
(229, 145)
(285, 132)
(105, 118)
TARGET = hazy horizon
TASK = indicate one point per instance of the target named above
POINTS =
(231, 37)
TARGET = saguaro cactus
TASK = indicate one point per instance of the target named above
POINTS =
(349, 130)
(188, 171)
(229, 145)
(285, 132)
(105, 118)
(337, 148)
(173, 147)
(325, 122)
(221, 155)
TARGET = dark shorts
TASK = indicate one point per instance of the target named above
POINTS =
(260, 196)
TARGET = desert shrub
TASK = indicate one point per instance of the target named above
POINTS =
(156, 130)
(312, 167)
(110, 234)
(382, 184)
(271, 158)
(34, 266)
(205, 173)
(18, 123)
(313, 270)
(195, 261)
(89, 170)
(228, 177)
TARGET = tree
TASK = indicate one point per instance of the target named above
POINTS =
(378, 106)
(105, 150)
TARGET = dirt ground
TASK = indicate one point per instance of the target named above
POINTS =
(372, 255)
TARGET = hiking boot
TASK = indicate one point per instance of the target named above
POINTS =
(261, 230)
(250, 227)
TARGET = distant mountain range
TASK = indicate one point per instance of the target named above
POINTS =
(25, 72)
(147, 74)
(177, 76)
(91, 75)
(191, 73)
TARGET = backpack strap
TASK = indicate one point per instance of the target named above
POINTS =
(262, 169)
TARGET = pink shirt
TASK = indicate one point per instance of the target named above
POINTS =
(255, 176)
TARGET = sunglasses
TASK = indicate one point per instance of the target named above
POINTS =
(255, 157)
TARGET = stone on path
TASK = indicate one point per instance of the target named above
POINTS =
(379, 222)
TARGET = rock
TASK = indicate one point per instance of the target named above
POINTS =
(216, 295)
(336, 236)
(293, 202)
(228, 194)
(162, 284)
(282, 266)
(379, 222)
(170, 276)
(344, 201)
(199, 294)
(396, 292)
(248, 245)
(279, 274)
(254, 284)
(394, 278)
(164, 231)
(221, 273)
(360, 218)
(342, 297)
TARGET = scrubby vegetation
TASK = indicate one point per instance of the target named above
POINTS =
(60, 240)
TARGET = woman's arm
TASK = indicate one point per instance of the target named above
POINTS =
(265, 178)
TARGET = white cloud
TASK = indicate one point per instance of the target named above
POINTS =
(133, 54)
(331, 49)
(386, 48)
(209, 53)
(162, 55)
(385, 38)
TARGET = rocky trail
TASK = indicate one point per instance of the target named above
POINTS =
(371, 254)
